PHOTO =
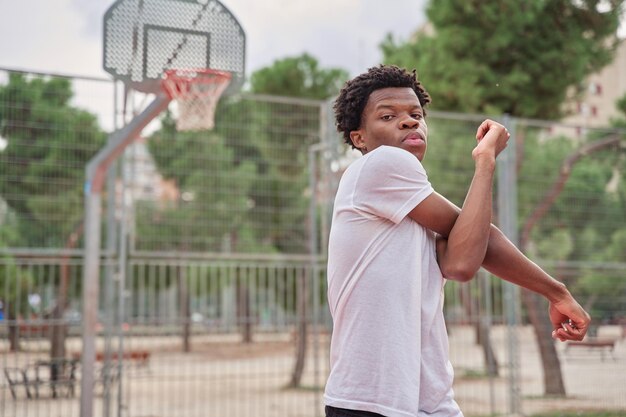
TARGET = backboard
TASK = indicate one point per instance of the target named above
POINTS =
(145, 38)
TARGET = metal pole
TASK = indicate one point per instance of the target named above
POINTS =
(332, 155)
(110, 270)
(95, 176)
(507, 217)
(109, 290)
(487, 323)
(90, 300)
(314, 252)
(326, 126)
(121, 279)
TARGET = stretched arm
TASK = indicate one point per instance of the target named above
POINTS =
(469, 240)
(468, 232)
(569, 320)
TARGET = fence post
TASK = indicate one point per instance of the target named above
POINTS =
(109, 289)
(507, 219)
(95, 172)
(314, 258)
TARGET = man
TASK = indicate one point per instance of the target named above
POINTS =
(392, 242)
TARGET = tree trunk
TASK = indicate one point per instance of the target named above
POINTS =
(467, 303)
(58, 334)
(59, 329)
(185, 311)
(491, 362)
(301, 343)
(553, 193)
(590, 302)
(243, 308)
(472, 311)
(553, 378)
(243, 300)
(14, 334)
(520, 149)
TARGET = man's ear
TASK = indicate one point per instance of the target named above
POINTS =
(357, 139)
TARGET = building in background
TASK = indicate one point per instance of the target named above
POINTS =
(146, 183)
(597, 106)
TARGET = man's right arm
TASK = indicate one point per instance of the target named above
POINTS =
(505, 260)
(467, 232)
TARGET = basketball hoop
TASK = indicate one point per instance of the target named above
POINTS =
(197, 92)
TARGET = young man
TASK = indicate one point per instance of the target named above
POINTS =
(392, 242)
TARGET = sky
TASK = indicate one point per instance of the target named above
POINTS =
(65, 36)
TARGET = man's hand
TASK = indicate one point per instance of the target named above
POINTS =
(569, 320)
(491, 138)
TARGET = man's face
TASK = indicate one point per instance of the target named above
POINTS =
(392, 117)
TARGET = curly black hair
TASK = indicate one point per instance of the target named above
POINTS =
(353, 96)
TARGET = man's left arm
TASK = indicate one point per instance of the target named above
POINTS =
(503, 259)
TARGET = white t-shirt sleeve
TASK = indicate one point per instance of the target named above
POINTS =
(392, 182)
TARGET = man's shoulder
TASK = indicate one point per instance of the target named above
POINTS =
(392, 158)
(383, 161)
(391, 151)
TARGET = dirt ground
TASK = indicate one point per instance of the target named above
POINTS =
(222, 377)
(591, 381)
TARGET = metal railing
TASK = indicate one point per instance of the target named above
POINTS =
(212, 285)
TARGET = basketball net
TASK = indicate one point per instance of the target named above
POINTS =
(197, 92)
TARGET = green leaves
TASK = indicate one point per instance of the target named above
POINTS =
(49, 144)
(246, 181)
(508, 56)
(298, 76)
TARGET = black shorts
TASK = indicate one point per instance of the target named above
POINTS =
(344, 412)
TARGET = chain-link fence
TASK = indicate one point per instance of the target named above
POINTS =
(212, 288)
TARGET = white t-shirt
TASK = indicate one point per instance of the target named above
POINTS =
(389, 347)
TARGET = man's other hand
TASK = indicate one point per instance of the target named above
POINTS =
(569, 320)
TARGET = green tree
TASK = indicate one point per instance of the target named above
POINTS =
(249, 178)
(15, 284)
(448, 161)
(286, 133)
(605, 288)
(576, 198)
(604, 237)
(243, 186)
(509, 56)
(300, 77)
(284, 145)
(212, 211)
(520, 58)
(49, 144)
(211, 214)
(621, 106)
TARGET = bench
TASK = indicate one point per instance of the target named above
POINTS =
(56, 374)
(601, 345)
(141, 357)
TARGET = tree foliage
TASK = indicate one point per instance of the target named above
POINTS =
(509, 56)
(299, 76)
(248, 177)
(284, 141)
(212, 206)
(448, 161)
(524, 58)
(621, 106)
(49, 144)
